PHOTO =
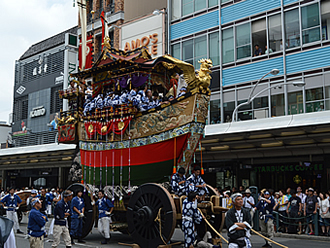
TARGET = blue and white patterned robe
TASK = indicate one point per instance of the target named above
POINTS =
(190, 217)
(193, 181)
(179, 189)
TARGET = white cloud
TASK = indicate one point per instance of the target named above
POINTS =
(24, 23)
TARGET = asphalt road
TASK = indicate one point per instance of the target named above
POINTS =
(94, 239)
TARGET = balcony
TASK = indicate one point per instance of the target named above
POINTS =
(33, 139)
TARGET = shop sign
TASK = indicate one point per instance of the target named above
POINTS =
(245, 183)
(146, 41)
(297, 179)
(145, 32)
(289, 168)
(38, 111)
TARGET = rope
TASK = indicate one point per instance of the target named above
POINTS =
(213, 227)
(272, 241)
(158, 218)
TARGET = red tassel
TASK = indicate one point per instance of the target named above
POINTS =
(174, 169)
(202, 171)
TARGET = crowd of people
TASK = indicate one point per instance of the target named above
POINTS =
(141, 98)
(66, 211)
(295, 210)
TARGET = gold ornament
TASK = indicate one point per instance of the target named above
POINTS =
(104, 129)
(121, 125)
(90, 128)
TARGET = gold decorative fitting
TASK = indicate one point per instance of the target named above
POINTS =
(90, 128)
(121, 125)
(104, 129)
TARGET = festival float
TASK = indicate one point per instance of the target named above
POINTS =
(130, 153)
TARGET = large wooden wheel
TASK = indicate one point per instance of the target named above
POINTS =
(88, 220)
(151, 216)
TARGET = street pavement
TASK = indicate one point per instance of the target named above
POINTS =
(94, 239)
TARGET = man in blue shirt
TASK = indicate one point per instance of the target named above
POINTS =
(36, 225)
(11, 203)
(105, 208)
(266, 223)
(77, 210)
(61, 213)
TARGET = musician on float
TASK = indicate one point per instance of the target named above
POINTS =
(195, 183)
(178, 182)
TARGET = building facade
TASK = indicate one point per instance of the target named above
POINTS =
(34, 156)
(246, 40)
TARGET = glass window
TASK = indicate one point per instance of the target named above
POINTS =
(215, 109)
(187, 51)
(260, 102)
(200, 4)
(213, 3)
(325, 11)
(227, 45)
(200, 49)
(244, 115)
(259, 37)
(176, 9)
(314, 94)
(228, 108)
(295, 103)
(278, 105)
(187, 7)
(214, 53)
(244, 107)
(315, 106)
(243, 41)
(275, 33)
(310, 23)
(224, 1)
(292, 30)
(176, 52)
(327, 97)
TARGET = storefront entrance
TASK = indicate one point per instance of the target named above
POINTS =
(304, 174)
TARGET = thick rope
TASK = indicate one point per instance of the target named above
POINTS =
(158, 218)
(213, 227)
(272, 241)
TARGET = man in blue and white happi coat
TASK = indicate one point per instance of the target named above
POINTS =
(238, 223)
(77, 210)
(196, 183)
(178, 182)
(36, 225)
(190, 217)
(105, 208)
(11, 203)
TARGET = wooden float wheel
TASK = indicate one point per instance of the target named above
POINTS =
(151, 216)
(88, 220)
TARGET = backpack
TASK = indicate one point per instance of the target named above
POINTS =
(310, 204)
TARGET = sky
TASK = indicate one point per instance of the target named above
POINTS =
(22, 24)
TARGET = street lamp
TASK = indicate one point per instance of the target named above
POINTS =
(157, 12)
(296, 83)
(113, 26)
(273, 72)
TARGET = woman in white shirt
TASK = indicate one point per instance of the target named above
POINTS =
(324, 214)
